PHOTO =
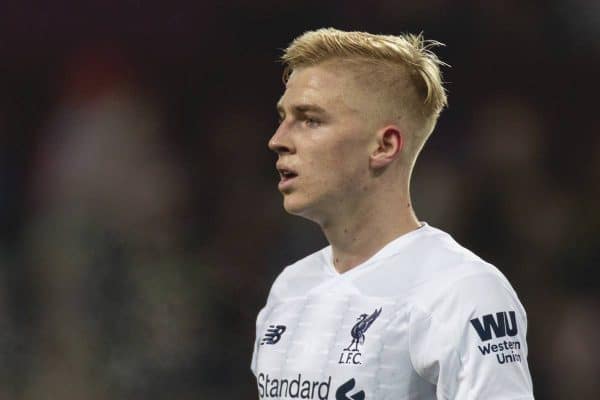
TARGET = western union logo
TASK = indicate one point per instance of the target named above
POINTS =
(498, 325)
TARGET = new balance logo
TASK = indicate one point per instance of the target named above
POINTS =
(273, 334)
(499, 325)
(342, 392)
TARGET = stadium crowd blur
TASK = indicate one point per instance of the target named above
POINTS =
(140, 223)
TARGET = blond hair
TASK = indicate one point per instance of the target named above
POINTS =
(389, 61)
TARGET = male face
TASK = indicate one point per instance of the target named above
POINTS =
(323, 142)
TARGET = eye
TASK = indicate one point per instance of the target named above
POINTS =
(312, 122)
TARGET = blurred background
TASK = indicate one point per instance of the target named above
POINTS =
(141, 226)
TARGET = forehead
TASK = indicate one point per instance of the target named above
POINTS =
(320, 85)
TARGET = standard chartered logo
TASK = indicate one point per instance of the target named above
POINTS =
(295, 388)
(343, 392)
(299, 387)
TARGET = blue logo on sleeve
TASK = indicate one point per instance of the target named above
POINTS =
(498, 324)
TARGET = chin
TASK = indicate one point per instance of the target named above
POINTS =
(300, 207)
(293, 205)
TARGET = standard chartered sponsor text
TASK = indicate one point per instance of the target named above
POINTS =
(293, 388)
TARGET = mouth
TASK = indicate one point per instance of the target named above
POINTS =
(286, 176)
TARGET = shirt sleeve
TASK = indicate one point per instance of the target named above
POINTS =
(470, 341)
(271, 298)
(256, 341)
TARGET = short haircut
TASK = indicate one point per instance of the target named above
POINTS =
(405, 69)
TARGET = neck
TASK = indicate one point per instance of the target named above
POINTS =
(356, 237)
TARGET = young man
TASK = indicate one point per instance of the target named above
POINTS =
(393, 308)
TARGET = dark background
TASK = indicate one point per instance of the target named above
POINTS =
(140, 224)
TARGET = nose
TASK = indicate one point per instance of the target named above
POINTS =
(281, 142)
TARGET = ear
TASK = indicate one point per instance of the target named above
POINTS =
(390, 142)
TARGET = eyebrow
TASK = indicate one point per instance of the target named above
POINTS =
(302, 108)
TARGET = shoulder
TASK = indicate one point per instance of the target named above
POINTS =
(479, 289)
(455, 279)
(475, 296)
(425, 263)
(467, 330)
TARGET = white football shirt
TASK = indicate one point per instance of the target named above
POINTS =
(424, 318)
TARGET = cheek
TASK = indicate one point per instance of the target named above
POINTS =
(343, 165)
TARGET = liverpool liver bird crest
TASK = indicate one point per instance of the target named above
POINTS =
(359, 329)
